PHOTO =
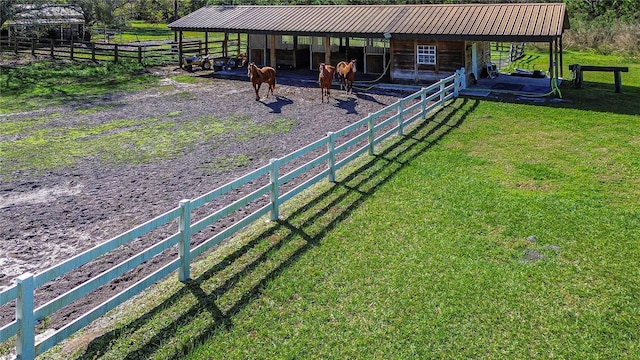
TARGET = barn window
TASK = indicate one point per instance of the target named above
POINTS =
(426, 54)
(304, 40)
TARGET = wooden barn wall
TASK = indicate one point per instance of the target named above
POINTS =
(450, 56)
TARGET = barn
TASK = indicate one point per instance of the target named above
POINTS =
(409, 43)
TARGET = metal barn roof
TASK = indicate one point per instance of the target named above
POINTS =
(498, 22)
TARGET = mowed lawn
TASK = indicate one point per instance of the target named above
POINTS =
(494, 230)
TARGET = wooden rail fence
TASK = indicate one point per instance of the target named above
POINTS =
(335, 150)
(152, 53)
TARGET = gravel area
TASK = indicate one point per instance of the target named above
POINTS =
(48, 218)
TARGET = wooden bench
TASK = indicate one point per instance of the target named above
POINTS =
(579, 69)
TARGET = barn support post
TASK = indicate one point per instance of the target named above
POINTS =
(26, 335)
(184, 244)
(180, 49)
(551, 63)
(364, 60)
(415, 61)
(249, 57)
(225, 46)
(327, 50)
(295, 52)
(346, 47)
(331, 150)
(391, 58)
(272, 52)
(557, 59)
(71, 49)
(561, 60)
(274, 174)
(264, 50)
(206, 42)
(311, 55)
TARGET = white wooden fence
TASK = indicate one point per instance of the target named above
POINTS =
(379, 126)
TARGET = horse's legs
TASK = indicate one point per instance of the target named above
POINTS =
(257, 89)
(272, 86)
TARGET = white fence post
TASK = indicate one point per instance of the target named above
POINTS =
(423, 102)
(400, 120)
(331, 149)
(26, 334)
(184, 245)
(442, 86)
(372, 138)
(275, 188)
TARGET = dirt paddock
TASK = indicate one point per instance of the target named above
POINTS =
(48, 218)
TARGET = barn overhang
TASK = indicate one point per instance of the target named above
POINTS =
(530, 21)
(502, 22)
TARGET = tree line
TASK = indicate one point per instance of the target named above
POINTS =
(115, 13)
(111, 13)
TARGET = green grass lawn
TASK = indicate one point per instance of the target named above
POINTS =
(496, 230)
(138, 30)
(51, 83)
(493, 230)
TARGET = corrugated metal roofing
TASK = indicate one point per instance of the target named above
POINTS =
(506, 22)
(47, 14)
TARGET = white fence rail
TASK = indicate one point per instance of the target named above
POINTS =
(388, 121)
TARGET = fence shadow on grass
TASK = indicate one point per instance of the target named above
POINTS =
(278, 247)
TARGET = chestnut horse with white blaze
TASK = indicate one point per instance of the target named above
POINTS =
(325, 78)
(346, 74)
(259, 75)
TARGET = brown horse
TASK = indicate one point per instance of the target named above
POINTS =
(259, 75)
(346, 74)
(325, 78)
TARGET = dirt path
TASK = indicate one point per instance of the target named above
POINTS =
(47, 218)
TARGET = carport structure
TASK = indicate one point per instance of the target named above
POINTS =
(414, 43)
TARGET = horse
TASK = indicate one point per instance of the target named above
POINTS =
(346, 74)
(325, 78)
(259, 75)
